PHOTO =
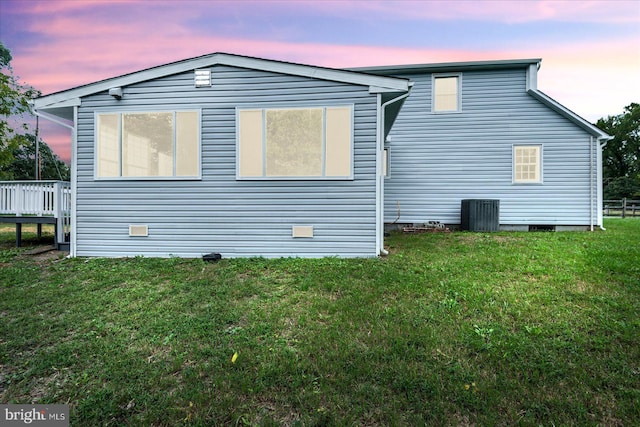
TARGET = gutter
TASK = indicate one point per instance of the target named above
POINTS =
(603, 143)
(596, 135)
(379, 176)
(51, 118)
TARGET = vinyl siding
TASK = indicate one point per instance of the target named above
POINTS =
(219, 213)
(437, 160)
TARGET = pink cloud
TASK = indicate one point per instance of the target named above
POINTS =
(49, 7)
(609, 11)
(563, 74)
(81, 42)
(58, 138)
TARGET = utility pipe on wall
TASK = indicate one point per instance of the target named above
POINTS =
(591, 183)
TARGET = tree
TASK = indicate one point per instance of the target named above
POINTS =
(14, 104)
(22, 166)
(621, 155)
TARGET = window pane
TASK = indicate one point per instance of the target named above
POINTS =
(108, 145)
(250, 143)
(526, 164)
(187, 150)
(338, 141)
(294, 142)
(147, 144)
(445, 94)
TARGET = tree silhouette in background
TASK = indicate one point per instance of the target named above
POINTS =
(621, 155)
(23, 167)
(14, 104)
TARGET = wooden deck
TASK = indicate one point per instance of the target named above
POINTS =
(37, 202)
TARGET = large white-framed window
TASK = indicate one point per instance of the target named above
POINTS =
(446, 93)
(527, 164)
(295, 143)
(147, 145)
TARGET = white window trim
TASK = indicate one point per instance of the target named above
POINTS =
(239, 177)
(540, 181)
(433, 92)
(144, 178)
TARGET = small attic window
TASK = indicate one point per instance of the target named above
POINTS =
(203, 78)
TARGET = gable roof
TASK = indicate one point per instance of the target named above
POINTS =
(60, 103)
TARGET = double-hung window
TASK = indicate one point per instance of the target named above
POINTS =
(527, 164)
(148, 145)
(446, 93)
(295, 143)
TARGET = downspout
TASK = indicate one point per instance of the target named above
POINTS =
(591, 183)
(379, 175)
(599, 161)
(74, 185)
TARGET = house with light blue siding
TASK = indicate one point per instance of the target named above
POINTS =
(483, 131)
(228, 154)
(247, 157)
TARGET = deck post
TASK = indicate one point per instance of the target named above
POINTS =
(18, 234)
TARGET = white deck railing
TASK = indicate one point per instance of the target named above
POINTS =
(38, 198)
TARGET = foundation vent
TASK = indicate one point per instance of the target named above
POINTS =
(302, 231)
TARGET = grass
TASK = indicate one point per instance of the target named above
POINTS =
(450, 329)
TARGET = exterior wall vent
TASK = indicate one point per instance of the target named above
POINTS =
(203, 78)
(138, 230)
(302, 231)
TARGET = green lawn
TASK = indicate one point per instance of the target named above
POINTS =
(450, 329)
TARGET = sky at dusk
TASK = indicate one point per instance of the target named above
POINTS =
(590, 50)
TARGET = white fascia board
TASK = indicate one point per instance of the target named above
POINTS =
(448, 66)
(128, 79)
(564, 111)
(393, 84)
(388, 83)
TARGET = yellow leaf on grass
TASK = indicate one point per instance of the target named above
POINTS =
(234, 357)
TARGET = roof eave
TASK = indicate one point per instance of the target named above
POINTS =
(448, 66)
(564, 111)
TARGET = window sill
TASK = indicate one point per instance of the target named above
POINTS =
(158, 178)
(295, 178)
